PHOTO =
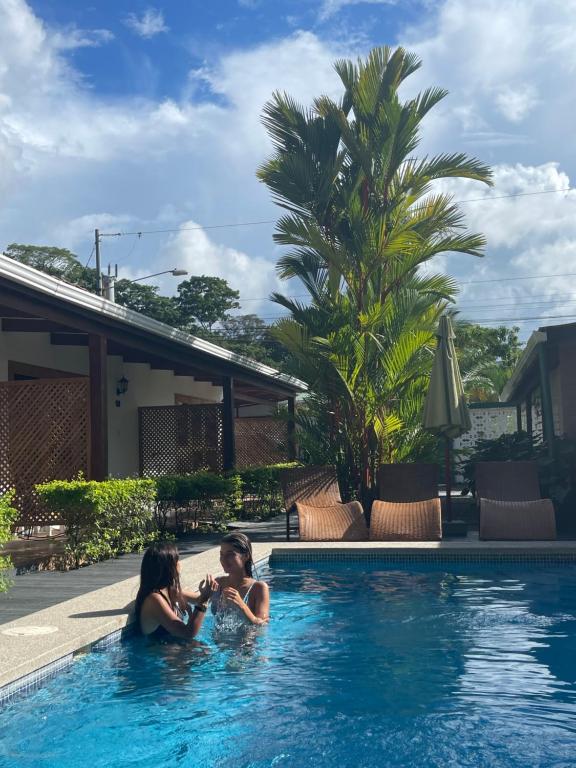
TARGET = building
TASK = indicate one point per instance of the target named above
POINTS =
(543, 384)
(89, 386)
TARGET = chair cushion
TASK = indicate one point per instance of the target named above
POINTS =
(338, 522)
(410, 521)
(517, 520)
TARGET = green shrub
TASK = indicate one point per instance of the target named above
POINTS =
(8, 516)
(102, 519)
(261, 490)
(198, 499)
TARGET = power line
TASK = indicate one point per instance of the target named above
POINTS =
(90, 257)
(507, 279)
(273, 221)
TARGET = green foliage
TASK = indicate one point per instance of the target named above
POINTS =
(261, 490)
(487, 357)
(362, 217)
(202, 496)
(250, 336)
(204, 301)
(8, 515)
(58, 262)
(102, 519)
(146, 300)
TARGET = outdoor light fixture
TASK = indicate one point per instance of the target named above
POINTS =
(122, 386)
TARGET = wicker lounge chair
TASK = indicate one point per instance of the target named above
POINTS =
(511, 506)
(314, 494)
(408, 507)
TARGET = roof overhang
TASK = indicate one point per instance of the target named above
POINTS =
(525, 363)
(36, 294)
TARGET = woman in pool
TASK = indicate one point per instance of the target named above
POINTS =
(161, 603)
(239, 596)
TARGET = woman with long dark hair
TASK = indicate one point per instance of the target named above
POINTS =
(161, 603)
(240, 598)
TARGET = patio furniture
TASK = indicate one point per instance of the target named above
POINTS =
(408, 507)
(313, 493)
(511, 506)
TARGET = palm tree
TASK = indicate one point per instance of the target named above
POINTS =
(362, 218)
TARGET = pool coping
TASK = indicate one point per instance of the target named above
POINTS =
(101, 617)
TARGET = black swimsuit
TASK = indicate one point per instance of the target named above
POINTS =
(161, 633)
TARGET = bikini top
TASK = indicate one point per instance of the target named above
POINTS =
(161, 633)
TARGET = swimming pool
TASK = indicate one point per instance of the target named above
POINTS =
(362, 665)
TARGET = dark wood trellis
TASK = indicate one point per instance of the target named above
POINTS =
(260, 440)
(44, 435)
(178, 439)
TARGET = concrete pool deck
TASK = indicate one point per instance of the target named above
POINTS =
(32, 642)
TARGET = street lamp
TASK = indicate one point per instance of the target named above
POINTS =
(174, 272)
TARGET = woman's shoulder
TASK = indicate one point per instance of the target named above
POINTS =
(259, 586)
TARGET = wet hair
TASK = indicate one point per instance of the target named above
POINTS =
(241, 543)
(159, 569)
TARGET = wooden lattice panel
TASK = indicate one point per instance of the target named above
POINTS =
(260, 440)
(178, 439)
(44, 435)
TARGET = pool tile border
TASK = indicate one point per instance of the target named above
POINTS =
(34, 680)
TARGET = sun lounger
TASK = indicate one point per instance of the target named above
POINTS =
(511, 506)
(408, 507)
(313, 493)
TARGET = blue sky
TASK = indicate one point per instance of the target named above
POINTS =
(133, 116)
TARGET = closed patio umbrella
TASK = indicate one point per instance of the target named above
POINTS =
(445, 410)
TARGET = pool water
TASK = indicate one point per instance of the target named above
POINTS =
(360, 666)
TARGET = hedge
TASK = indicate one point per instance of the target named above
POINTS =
(8, 516)
(102, 519)
(211, 497)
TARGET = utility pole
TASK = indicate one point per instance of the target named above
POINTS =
(98, 266)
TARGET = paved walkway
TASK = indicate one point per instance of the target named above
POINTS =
(34, 591)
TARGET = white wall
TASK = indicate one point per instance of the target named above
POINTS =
(145, 387)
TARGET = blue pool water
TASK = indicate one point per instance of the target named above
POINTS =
(361, 666)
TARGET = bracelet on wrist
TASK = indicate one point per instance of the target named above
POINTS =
(201, 607)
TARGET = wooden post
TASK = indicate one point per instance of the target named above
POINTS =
(448, 479)
(97, 350)
(229, 446)
(529, 413)
(518, 417)
(291, 430)
(545, 391)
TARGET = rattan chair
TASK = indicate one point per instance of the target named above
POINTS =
(511, 505)
(408, 507)
(313, 493)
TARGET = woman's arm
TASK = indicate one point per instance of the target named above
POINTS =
(259, 611)
(205, 590)
(156, 612)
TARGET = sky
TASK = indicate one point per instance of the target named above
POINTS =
(135, 117)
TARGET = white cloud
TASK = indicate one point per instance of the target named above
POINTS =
(150, 24)
(72, 38)
(193, 250)
(71, 160)
(332, 7)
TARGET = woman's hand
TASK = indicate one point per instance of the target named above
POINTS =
(232, 595)
(207, 588)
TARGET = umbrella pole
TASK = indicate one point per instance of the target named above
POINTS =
(448, 480)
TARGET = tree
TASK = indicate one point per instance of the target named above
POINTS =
(362, 217)
(205, 301)
(249, 335)
(58, 262)
(487, 358)
(145, 299)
